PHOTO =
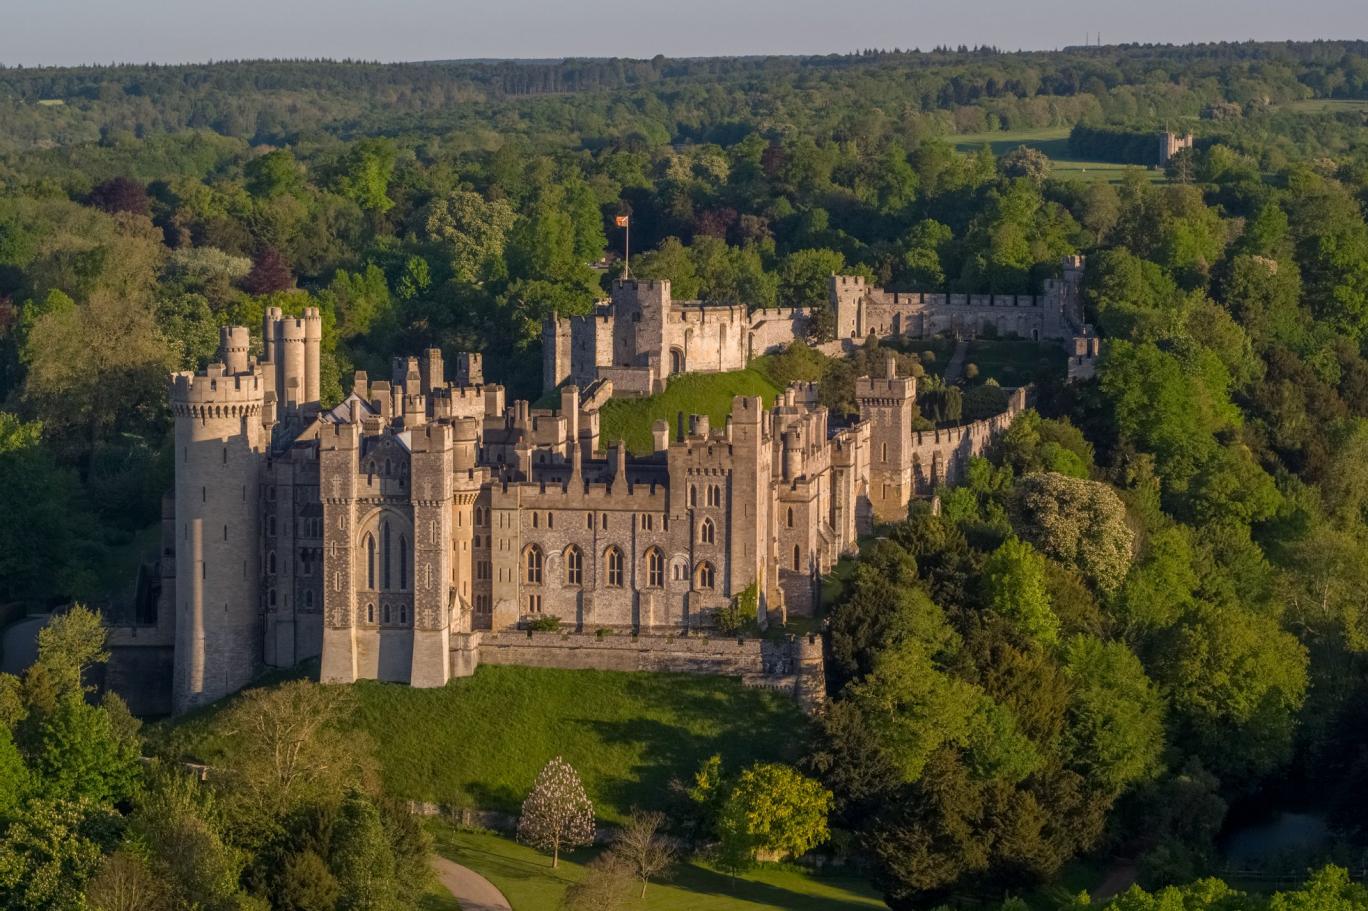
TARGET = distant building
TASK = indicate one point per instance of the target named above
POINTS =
(1171, 144)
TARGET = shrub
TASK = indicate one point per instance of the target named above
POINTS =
(547, 624)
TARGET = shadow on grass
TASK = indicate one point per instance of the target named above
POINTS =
(705, 881)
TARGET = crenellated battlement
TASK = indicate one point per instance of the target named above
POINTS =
(217, 393)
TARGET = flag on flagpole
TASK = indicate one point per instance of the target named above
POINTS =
(621, 221)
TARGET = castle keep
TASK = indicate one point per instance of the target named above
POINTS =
(642, 336)
(421, 525)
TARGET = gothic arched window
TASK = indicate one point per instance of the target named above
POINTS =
(797, 558)
(370, 613)
(613, 562)
(790, 517)
(370, 562)
(403, 564)
(574, 566)
(532, 565)
(714, 495)
(706, 576)
(655, 568)
(707, 532)
(385, 555)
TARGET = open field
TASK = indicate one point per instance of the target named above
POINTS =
(526, 878)
(480, 741)
(1054, 142)
(1326, 105)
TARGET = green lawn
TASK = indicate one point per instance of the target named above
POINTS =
(1014, 362)
(1054, 142)
(690, 393)
(480, 741)
(1326, 105)
(526, 878)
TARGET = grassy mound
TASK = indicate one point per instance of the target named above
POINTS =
(480, 741)
(691, 393)
(526, 878)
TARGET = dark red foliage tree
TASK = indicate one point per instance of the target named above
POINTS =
(120, 194)
(270, 273)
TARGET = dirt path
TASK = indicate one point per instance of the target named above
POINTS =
(956, 365)
(472, 891)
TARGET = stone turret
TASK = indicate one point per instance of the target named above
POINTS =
(220, 444)
(888, 402)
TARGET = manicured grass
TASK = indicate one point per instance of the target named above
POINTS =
(436, 898)
(480, 741)
(526, 878)
(690, 393)
(1054, 142)
(1014, 362)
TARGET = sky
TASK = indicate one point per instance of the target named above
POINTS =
(63, 32)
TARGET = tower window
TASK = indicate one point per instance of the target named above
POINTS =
(532, 564)
(707, 532)
(655, 568)
(574, 566)
(614, 565)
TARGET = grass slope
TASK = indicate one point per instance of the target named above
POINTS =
(526, 878)
(1015, 362)
(690, 393)
(480, 741)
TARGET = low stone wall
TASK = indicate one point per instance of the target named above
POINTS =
(793, 665)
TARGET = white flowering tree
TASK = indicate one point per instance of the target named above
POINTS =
(557, 813)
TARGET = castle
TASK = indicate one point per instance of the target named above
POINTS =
(406, 533)
(642, 336)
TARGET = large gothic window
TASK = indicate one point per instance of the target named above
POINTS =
(370, 562)
(707, 532)
(613, 560)
(403, 564)
(655, 568)
(574, 566)
(532, 565)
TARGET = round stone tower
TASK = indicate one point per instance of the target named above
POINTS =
(220, 443)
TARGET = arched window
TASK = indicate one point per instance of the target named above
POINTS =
(370, 613)
(270, 561)
(883, 449)
(693, 495)
(707, 532)
(532, 565)
(385, 555)
(385, 614)
(535, 520)
(479, 515)
(403, 613)
(655, 568)
(589, 521)
(714, 495)
(403, 564)
(797, 559)
(790, 517)
(550, 520)
(613, 563)
(574, 566)
(706, 576)
(370, 562)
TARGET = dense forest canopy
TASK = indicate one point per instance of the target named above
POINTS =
(1143, 610)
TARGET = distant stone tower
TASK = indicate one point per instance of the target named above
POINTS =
(889, 404)
(220, 444)
(293, 345)
(1171, 144)
(845, 294)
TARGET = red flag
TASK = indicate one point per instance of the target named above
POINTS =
(621, 221)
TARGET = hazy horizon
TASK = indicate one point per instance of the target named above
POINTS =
(73, 32)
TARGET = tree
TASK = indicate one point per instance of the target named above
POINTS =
(644, 848)
(307, 884)
(1080, 523)
(270, 273)
(557, 813)
(773, 812)
(125, 882)
(47, 853)
(1115, 731)
(1026, 161)
(605, 887)
(1014, 586)
(70, 644)
(804, 279)
(362, 859)
(120, 194)
(365, 173)
(274, 174)
(473, 230)
(80, 756)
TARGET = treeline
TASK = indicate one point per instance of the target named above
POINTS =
(886, 94)
(1118, 144)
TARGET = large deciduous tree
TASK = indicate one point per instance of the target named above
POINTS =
(557, 813)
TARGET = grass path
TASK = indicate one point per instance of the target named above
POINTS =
(526, 878)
